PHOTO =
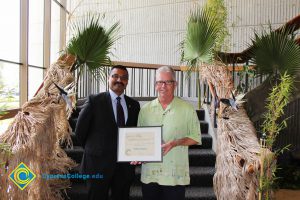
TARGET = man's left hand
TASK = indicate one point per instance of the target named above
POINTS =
(168, 146)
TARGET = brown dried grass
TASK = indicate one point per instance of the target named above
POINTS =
(35, 136)
(237, 162)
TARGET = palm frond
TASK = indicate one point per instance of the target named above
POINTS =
(200, 39)
(275, 53)
(218, 9)
(92, 43)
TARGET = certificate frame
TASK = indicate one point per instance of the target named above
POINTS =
(141, 143)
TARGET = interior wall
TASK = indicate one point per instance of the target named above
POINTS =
(151, 30)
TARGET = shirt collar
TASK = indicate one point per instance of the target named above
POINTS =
(113, 95)
(157, 103)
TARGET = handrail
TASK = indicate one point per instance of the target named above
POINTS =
(243, 56)
(143, 65)
(9, 113)
(236, 68)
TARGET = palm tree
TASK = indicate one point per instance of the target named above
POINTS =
(201, 36)
(91, 45)
(276, 55)
(234, 141)
(197, 48)
(273, 53)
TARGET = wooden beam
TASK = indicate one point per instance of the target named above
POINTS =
(47, 34)
(175, 67)
(9, 114)
(143, 65)
(23, 84)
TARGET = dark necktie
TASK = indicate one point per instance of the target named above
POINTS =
(120, 113)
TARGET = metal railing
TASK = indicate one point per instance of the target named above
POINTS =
(141, 82)
(291, 134)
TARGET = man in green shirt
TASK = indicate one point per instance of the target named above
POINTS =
(181, 128)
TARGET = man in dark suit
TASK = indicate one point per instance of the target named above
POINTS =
(97, 130)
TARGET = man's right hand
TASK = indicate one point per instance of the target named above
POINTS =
(135, 163)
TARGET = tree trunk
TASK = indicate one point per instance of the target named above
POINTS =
(237, 162)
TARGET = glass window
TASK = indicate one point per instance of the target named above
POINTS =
(35, 79)
(9, 85)
(35, 37)
(55, 32)
(10, 30)
(4, 124)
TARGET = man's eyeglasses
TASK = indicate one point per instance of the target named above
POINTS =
(123, 78)
(168, 82)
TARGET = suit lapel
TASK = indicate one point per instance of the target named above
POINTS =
(129, 108)
(110, 108)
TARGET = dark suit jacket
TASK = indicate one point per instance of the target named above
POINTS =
(97, 131)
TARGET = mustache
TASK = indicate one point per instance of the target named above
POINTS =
(119, 83)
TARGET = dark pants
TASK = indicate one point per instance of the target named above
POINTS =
(119, 184)
(153, 191)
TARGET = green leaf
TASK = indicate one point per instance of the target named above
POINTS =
(275, 52)
(200, 39)
(91, 44)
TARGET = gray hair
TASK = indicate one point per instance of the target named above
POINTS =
(166, 69)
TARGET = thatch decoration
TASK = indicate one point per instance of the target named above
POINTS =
(35, 136)
(237, 162)
(41, 126)
(237, 145)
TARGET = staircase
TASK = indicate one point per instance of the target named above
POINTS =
(202, 168)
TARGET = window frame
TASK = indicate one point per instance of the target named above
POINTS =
(23, 61)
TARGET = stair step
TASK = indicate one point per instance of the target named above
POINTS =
(202, 157)
(75, 153)
(191, 193)
(76, 170)
(78, 191)
(206, 142)
(204, 127)
(201, 114)
(202, 193)
(75, 140)
(200, 176)
(197, 156)
(72, 122)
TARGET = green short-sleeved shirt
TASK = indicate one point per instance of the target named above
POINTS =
(179, 120)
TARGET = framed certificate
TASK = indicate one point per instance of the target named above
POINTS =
(140, 144)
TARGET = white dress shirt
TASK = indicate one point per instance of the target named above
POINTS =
(114, 101)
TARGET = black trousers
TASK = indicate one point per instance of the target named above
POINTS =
(154, 191)
(119, 185)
